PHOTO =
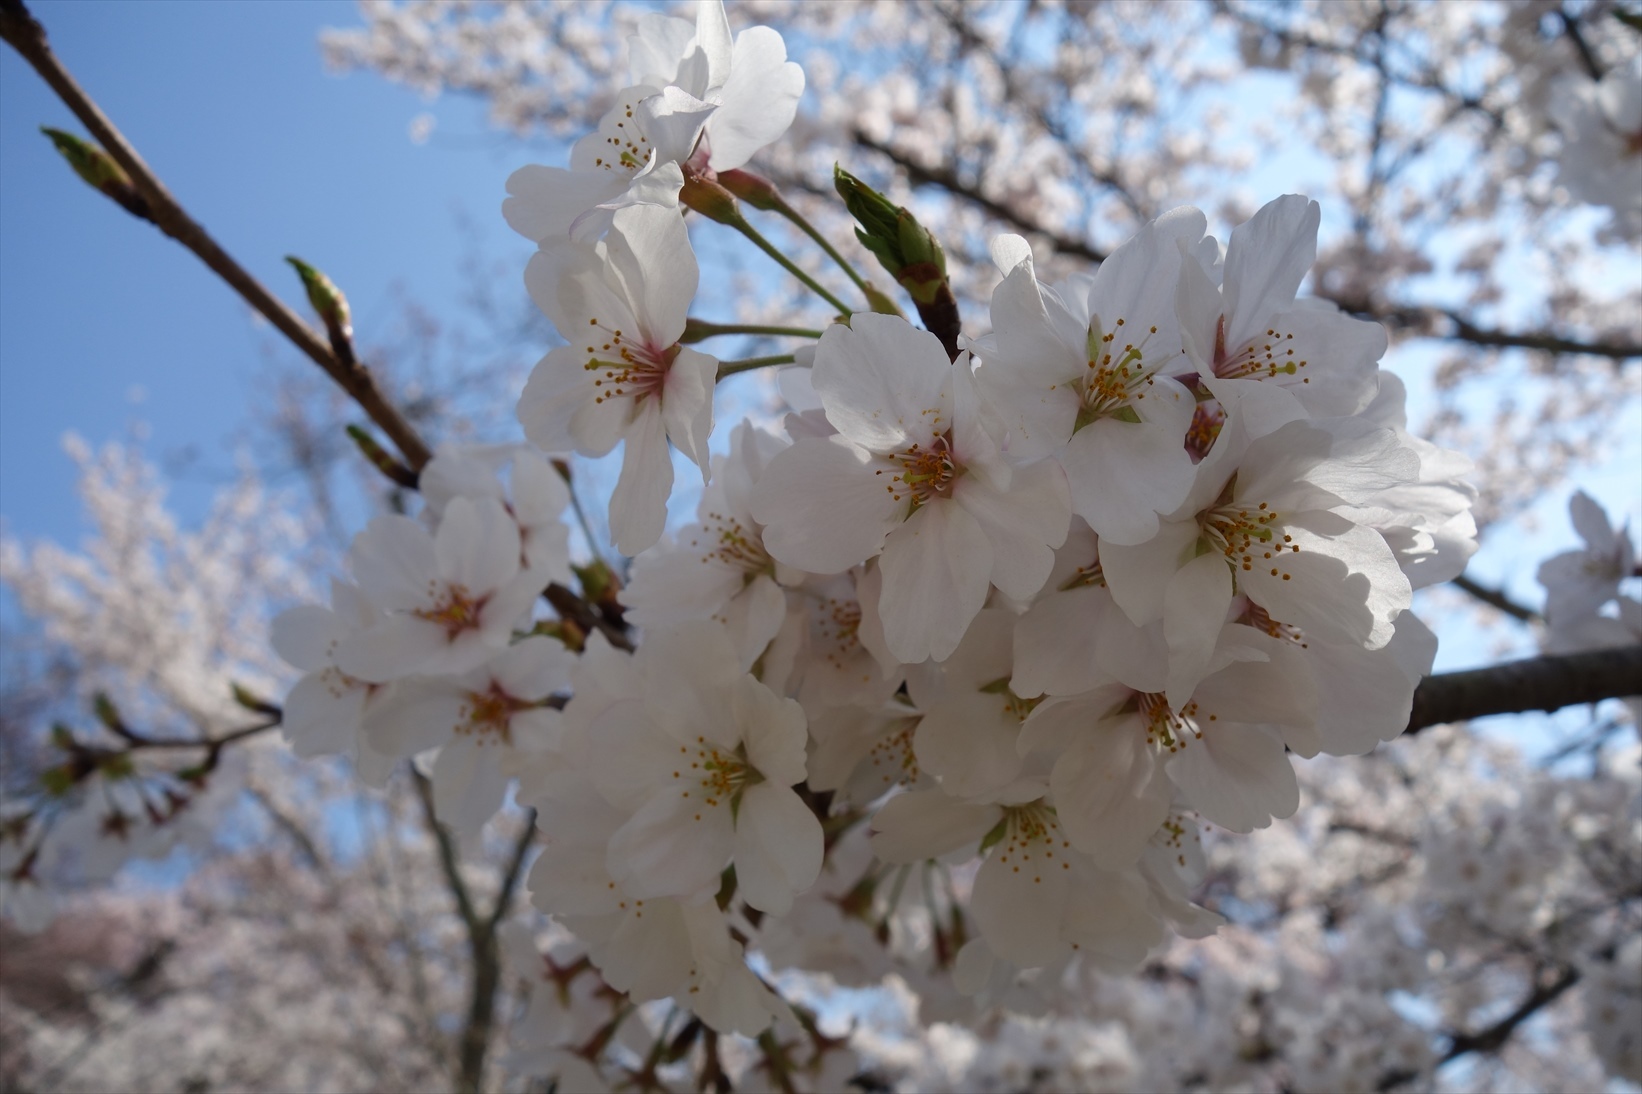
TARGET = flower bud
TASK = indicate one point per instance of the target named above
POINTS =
(391, 468)
(755, 190)
(709, 199)
(99, 169)
(332, 307)
(908, 251)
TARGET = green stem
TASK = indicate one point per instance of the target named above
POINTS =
(809, 229)
(740, 224)
(702, 330)
(746, 364)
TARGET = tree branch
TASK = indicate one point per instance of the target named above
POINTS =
(25, 34)
(1496, 598)
(1494, 1037)
(948, 180)
(1544, 683)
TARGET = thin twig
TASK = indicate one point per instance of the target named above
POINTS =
(25, 34)
(1496, 598)
(746, 364)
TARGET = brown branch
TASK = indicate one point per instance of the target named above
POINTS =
(1494, 1037)
(1426, 321)
(1544, 683)
(1496, 598)
(25, 34)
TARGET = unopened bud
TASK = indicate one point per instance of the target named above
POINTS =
(108, 714)
(599, 583)
(755, 190)
(332, 307)
(709, 199)
(380, 458)
(98, 169)
(908, 251)
(250, 701)
(880, 301)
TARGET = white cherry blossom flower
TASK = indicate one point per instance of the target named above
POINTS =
(1601, 124)
(704, 757)
(913, 476)
(480, 721)
(450, 602)
(697, 99)
(1578, 582)
(648, 947)
(621, 303)
(718, 568)
(536, 498)
(324, 710)
(1082, 374)
(1263, 520)
(1262, 353)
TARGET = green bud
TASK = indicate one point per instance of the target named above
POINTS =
(98, 169)
(252, 702)
(58, 781)
(331, 305)
(117, 765)
(908, 251)
(107, 714)
(62, 737)
(384, 462)
(598, 581)
(880, 302)
(1632, 19)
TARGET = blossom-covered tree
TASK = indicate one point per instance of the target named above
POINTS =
(1050, 669)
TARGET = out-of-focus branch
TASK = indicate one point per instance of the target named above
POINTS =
(474, 1042)
(1440, 323)
(1544, 683)
(1496, 599)
(1432, 321)
(948, 180)
(25, 34)
(1494, 1037)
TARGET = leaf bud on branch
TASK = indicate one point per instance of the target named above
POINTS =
(98, 169)
(332, 307)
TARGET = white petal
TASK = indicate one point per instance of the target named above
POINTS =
(306, 635)
(638, 505)
(927, 824)
(1023, 525)
(1237, 776)
(778, 847)
(1194, 611)
(773, 729)
(1018, 902)
(1266, 260)
(759, 99)
(885, 384)
(477, 545)
(398, 646)
(823, 507)
(1139, 575)
(1108, 791)
(649, 249)
(557, 389)
(673, 846)
(687, 405)
(936, 570)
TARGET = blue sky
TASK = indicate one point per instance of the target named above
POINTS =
(232, 107)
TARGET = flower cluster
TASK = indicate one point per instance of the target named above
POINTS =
(1033, 610)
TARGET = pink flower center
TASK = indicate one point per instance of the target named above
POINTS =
(457, 612)
(1262, 359)
(626, 367)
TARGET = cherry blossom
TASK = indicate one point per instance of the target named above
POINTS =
(622, 302)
